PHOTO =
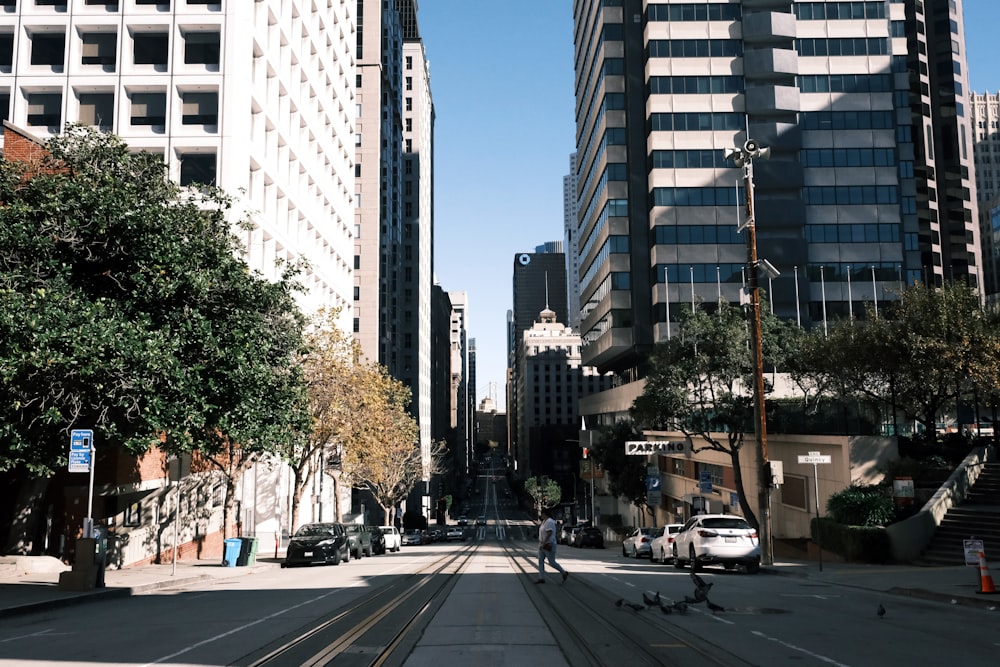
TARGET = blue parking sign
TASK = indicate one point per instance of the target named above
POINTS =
(81, 443)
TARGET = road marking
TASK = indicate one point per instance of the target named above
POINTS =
(242, 627)
(47, 633)
(821, 658)
(807, 595)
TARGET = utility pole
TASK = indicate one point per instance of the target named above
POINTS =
(743, 157)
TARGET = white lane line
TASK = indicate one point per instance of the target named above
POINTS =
(47, 633)
(821, 658)
(242, 627)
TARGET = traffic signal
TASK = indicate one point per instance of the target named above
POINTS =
(586, 452)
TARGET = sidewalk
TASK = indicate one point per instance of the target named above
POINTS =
(31, 583)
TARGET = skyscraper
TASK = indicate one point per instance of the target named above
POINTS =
(226, 93)
(868, 186)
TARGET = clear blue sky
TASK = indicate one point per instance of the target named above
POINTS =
(502, 81)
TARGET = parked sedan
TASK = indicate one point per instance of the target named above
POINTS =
(413, 537)
(317, 543)
(637, 543)
(662, 546)
(717, 538)
(454, 533)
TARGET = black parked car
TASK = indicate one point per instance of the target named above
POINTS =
(588, 536)
(359, 540)
(317, 543)
(378, 540)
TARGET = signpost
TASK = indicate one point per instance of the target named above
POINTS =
(645, 447)
(815, 458)
(81, 459)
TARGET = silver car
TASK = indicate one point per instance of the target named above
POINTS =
(726, 539)
(638, 543)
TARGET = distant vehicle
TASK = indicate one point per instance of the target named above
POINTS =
(717, 538)
(393, 540)
(317, 543)
(412, 537)
(463, 520)
(662, 546)
(588, 536)
(378, 540)
(637, 543)
(359, 540)
(481, 520)
(454, 533)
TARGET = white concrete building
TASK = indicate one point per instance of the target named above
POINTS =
(256, 97)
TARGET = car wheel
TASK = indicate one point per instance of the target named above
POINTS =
(663, 556)
(754, 567)
(729, 566)
(694, 560)
(336, 557)
(678, 563)
(624, 551)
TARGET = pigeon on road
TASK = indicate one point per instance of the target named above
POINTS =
(701, 584)
(634, 606)
(881, 611)
(651, 600)
(713, 606)
(619, 602)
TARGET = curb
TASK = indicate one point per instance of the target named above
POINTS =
(990, 603)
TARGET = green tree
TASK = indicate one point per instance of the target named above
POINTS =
(626, 474)
(918, 357)
(544, 492)
(701, 383)
(125, 307)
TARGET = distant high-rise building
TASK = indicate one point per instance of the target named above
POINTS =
(985, 108)
(868, 186)
(551, 379)
(461, 413)
(378, 183)
(539, 283)
(571, 240)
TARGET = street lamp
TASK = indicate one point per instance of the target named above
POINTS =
(743, 157)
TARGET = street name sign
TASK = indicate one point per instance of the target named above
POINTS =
(816, 458)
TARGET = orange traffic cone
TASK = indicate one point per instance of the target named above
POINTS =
(986, 580)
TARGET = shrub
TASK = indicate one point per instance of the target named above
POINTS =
(862, 505)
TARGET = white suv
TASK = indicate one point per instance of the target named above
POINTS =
(717, 538)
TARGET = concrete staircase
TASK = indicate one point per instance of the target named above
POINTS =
(977, 516)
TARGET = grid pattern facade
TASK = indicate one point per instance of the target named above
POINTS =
(257, 98)
(986, 144)
(868, 186)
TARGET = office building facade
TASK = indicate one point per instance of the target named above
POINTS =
(868, 186)
(257, 98)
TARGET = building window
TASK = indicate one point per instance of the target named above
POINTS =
(198, 169)
(409, 83)
(199, 108)
(150, 48)
(357, 292)
(44, 110)
(409, 62)
(5, 106)
(99, 48)
(6, 51)
(409, 104)
(149, 108)
(201, 48)
(98, 110)
(48, 48)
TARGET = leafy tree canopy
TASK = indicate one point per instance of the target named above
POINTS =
(125, 307)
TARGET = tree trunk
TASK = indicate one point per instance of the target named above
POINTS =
(298, 486)
(748, 512)
(227, 506)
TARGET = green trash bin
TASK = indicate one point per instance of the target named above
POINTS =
(248, 551)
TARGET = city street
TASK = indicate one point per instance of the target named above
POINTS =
(767, 619)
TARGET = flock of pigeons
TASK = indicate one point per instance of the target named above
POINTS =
(701, 588)
(668, 606)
